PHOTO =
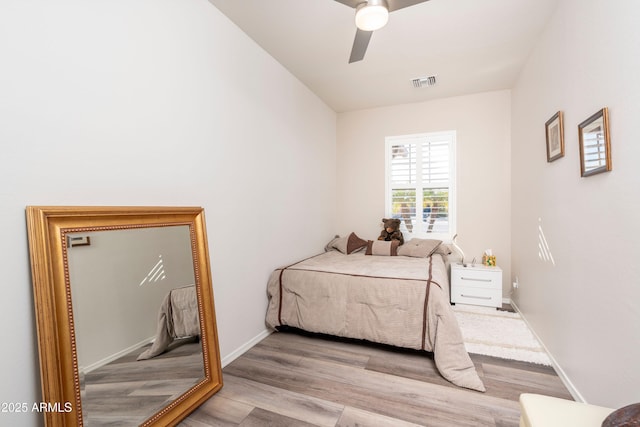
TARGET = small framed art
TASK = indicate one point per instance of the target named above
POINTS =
(555, 137)
(595, 144)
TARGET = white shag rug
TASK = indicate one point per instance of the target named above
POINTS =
(498, 333)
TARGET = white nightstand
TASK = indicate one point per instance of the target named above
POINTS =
(476, 284)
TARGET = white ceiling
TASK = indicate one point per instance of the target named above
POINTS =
(470, 45)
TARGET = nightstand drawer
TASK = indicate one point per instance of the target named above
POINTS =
(477, 296)
(477, 278)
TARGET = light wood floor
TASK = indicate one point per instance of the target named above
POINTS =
(126, 392)
(291, 379)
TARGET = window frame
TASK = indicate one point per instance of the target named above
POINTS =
(420, 138)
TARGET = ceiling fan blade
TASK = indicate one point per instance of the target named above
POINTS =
(351, 3)
(360, 44)
(401, 4)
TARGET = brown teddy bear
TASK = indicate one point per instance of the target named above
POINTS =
(391, 230)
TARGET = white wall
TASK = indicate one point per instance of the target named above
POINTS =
(161, 102)
(482, 123)
(586, 305)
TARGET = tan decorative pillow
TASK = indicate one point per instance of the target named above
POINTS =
(382, 247)
(419, 248)
(347, 245)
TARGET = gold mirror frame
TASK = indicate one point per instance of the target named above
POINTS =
(47, 229)
(595, 144)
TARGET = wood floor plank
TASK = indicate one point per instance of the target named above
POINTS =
(134, 406)
(173, 388)
(353, 417)
(329, 350)
(273, 356)
(525, 381)
(325, 342)
(193, 422)
(325, 382)
(115, 420)
(218, 411)
(417, 366)
(107, 390)
(280, 400)
(162, 369)
(260, 418)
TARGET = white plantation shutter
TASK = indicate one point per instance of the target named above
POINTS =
(420, 184)
(594, 149)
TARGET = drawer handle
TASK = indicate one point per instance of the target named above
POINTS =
(474, 296)
(476, 280)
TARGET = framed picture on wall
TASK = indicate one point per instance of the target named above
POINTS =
(555, 137)
(595, 144)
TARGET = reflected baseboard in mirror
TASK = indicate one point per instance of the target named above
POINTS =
(124, 312)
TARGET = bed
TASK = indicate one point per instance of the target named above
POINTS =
(177, 318)
(397, 300)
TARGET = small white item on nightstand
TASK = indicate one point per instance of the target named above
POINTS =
(476, 285)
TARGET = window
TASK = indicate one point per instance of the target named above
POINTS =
(420, 190)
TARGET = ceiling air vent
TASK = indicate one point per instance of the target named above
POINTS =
(424, 81)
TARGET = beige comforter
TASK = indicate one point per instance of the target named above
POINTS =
(401, 301)
(177, 318)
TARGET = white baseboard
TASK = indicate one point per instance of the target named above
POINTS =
(245, 347)
(577, 396)
(225, 361)
(100, 363)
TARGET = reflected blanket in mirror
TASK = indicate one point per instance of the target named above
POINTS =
(177, 318)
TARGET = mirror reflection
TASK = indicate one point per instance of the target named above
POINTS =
(595, 148)
(110, 284)
(136, 320)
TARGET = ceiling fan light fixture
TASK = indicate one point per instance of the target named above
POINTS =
(372, 15)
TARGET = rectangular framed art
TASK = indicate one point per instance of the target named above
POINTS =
(555, 137)
(595, 144)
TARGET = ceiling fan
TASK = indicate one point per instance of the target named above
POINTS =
(371, 15)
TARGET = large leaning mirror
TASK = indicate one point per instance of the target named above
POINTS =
(125, 314)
